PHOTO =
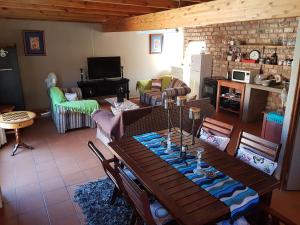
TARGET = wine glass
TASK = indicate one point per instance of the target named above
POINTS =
(198, 169)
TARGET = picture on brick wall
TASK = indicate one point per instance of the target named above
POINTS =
(34, 42)
(156, 43)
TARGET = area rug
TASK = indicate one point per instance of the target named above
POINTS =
(94, 200)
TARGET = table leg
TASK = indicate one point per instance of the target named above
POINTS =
(19, 143)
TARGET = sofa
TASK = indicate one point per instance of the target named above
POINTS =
(112, 127)
(169, 88)
(69, 115)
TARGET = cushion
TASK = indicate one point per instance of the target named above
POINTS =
(57, 96)
(159, 213)
(176, 83)
(259, 162)
(239, 221)
(165, 81)
(219, 142)
(156, 84)
(71, 96)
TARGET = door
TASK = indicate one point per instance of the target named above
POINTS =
(11, 92)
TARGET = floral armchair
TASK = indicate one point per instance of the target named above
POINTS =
(170, 88)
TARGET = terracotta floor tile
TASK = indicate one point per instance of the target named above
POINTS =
(74, 178)
(36, 217)
(8, 195)
(48, 174)
(88, 163)
(31, 203)
(46, 165)
(26, 178)
(52, 184)
(56, 196)
(61, 210)
(70, 220)
(69, 168)
(94, 173)
(28, 190)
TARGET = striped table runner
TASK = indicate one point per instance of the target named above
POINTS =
(232, 193)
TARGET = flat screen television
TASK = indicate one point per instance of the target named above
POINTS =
(104, 67)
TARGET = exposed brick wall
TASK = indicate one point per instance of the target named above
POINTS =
(259, 32)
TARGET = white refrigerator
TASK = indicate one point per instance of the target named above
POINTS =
(200, 68)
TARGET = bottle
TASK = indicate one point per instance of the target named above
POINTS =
(274, 58)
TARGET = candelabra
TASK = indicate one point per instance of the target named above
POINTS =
(168, 105)
(194, 114)
(180, 102)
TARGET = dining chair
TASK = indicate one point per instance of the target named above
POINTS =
(215, 132)
(256, 150)
(111, 171)
(145, 209)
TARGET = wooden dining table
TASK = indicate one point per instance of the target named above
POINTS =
(188, 203)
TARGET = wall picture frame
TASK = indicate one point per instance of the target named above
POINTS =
(34, 42)
(156, 43)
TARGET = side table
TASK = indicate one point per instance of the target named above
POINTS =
(17, 120)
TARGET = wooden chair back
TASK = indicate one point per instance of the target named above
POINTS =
(138, 197)
(259, 146)
(216, 127)
(106, 163)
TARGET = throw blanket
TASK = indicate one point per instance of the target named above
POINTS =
(82, 106)
(113, 126)
(232, 193)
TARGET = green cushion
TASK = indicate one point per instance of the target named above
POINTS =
(57, 96)
(166, 79)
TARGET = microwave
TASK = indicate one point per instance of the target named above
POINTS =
(242, 76)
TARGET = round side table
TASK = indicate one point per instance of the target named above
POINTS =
(17, 120)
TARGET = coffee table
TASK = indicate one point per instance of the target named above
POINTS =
(17, 120)
(120, 107)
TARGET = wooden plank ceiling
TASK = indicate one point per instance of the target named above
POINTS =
(95, 11)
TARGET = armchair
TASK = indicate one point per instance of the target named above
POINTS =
(69, 115)
(175, 88)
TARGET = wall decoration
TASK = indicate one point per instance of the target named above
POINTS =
(34, 42)
(156, 43)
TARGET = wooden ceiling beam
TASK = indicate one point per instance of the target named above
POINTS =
(52, 15)
(214, 12)
(162, 4)
(90, 5)
(32, 7)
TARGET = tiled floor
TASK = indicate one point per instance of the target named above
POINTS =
(38, 185)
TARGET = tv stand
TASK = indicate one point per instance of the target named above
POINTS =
(96, 88)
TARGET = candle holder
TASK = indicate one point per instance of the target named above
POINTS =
(180, 102)
(194, 114)
(168, 105)
(198, 170)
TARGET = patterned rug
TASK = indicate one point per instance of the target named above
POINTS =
(94, 200)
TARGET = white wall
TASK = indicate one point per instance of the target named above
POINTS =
(69, 44)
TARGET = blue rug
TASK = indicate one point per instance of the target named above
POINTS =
(94, 200)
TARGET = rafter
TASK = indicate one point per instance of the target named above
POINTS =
(219, 11)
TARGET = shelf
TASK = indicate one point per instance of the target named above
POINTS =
(265, 45)
(257, 64)
(230, 98)
(230, 110)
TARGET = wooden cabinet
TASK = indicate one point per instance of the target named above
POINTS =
(234, 104)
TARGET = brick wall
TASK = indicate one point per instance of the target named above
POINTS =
(255, 34)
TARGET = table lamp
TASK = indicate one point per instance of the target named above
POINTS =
(194, 114)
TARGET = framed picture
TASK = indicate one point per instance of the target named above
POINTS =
(156, 43)
(34, 42)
